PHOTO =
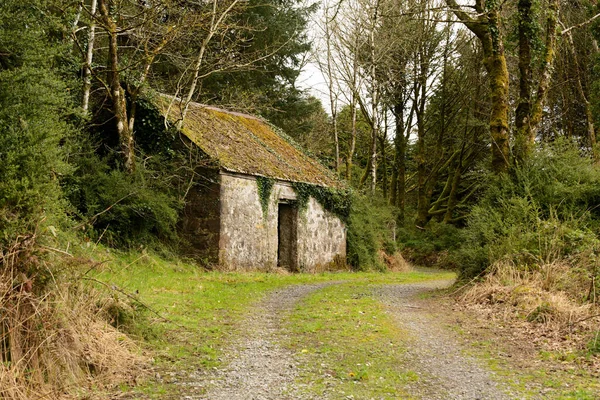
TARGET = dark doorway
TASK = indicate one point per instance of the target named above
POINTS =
(287, 237)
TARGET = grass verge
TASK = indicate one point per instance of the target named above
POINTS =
(513, 353)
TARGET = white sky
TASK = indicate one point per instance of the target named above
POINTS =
(312, 79)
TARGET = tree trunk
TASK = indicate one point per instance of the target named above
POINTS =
(591, 129)
(398, 111)
(422, 203)
(546, 71)
(498, 75)
(487, 29)
(352, 144)
(453, 196)
(332, 95)
(523, 144)
(384, 171)
(87, 69)
(117, 93)
(420, 99)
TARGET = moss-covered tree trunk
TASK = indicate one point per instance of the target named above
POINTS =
(117, 93)
(486, 26)
(545, 74)
(495, 64)
(523, 142)
(589, 115)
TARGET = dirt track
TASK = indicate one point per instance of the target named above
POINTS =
(445, 372)
(257, 367)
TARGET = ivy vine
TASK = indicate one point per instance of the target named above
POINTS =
(336, 201)
(265, 187)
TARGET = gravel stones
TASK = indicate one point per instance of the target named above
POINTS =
(260, 369)
(434, 352)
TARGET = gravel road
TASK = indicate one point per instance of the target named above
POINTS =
(434, 352)
(259, 368)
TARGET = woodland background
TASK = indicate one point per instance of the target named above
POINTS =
(466, 133)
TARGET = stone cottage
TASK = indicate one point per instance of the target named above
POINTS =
(246, 212)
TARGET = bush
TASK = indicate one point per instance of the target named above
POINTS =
(30, 154)
(123, 209)
(370, 230)
(430, 247)
(543, 212)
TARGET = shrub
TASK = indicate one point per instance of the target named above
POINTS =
(543, 212)
(122, 208)
(30, 154)
(370, 229)
(430, 247)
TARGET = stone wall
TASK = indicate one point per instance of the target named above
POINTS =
(249, 238)
(201, 220)
(247, 241)
(321, 236)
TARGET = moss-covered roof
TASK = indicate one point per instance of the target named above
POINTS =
(245, 144)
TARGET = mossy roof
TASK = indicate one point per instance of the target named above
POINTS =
(245, 144)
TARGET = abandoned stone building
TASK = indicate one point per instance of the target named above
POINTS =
(245, 212)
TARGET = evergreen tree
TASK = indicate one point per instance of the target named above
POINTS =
(34, 105)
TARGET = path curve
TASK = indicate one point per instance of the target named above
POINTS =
(435, 353)
(259, 368)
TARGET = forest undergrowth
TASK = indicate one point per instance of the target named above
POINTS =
(528, 255)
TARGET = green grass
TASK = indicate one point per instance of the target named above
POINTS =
(348, 345)
(201, 310)
(345, 342)
(553, 383)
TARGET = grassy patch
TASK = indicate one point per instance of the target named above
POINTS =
(202, 310)
(348, 345)
(549, 374)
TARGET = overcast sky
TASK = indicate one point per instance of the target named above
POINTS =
(311, 78)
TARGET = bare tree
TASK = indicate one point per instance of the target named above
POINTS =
(328, 68)
(348, 39)
(218, 16)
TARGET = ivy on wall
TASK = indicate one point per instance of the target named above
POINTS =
(265, 187)
(336, 201)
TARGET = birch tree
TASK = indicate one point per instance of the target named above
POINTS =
(327, 66)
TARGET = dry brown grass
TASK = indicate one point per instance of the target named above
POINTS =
(548, 298)
(395, 262)
(55, 338)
